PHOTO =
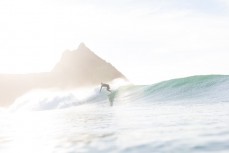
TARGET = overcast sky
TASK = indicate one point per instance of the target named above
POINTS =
(147, 40)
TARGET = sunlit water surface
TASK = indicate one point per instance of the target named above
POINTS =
(95, 128)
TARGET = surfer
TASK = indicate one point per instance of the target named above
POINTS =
(106, 86)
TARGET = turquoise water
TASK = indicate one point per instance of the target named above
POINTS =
(189, 115)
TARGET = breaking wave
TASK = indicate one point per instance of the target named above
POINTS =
(205, 88)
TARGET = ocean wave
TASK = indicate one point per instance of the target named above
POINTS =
(195, 88)
(40, 100)
(205, 88)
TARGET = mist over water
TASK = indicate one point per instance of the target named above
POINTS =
(181, 115)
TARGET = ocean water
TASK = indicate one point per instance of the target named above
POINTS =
(188, 115)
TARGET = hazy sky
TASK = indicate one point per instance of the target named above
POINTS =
(147, 40)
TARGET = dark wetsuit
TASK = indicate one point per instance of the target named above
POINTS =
(106, 86)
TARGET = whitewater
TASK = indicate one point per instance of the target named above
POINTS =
(185, 115)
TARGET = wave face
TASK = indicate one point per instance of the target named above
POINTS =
(213, 88)
(206, 88)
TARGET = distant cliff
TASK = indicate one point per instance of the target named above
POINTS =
(76, 68)
(83, 67)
